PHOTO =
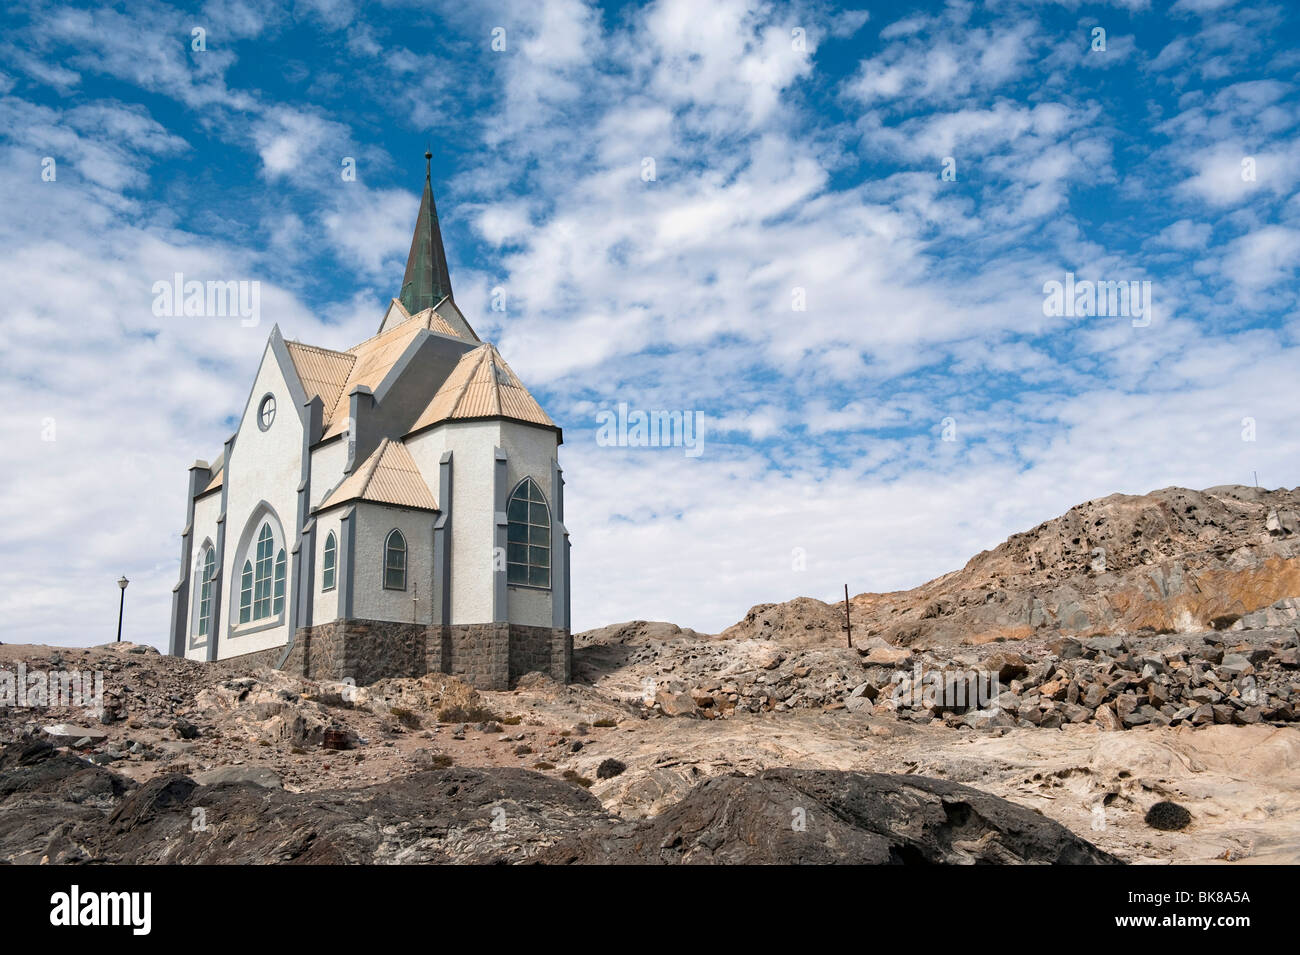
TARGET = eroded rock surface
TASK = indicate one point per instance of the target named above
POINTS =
(785, 816)
(57, 808)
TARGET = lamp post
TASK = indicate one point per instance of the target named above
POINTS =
(121, 583)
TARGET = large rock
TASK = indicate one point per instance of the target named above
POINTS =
(67, 734)
(676, 702)
(251, 775)
(785, 816)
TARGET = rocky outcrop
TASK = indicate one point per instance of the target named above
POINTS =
(818, 817)
(1115, 682)
(58, 808)
(1172, 560)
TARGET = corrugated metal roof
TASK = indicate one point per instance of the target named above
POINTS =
(322, 371)
(482, 385)
(374, 358)
(388, 476)
(213, 484)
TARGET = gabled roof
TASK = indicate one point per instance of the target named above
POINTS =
(371, 362)
(482, 385)
(388, 476)
(322, 371)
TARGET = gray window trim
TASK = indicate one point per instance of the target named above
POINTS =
(550, 528)
(406, 560)
(325, 568)
(263, 513)
(261, 405)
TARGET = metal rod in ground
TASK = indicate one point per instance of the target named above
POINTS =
(848, 622)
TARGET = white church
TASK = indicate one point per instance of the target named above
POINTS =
(394, 509)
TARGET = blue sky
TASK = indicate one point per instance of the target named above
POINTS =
(920, 408)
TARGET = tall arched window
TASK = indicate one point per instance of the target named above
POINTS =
(262, 582)
(528, 537)
(208, 569)
(277, 604)
(262, 568)
(246, 593)
(395, 561)
(331, 561)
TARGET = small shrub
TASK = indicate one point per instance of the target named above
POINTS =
(464, 713)
(440, 761)
(543, 764)
(1168, 816)
(605, 722)
(408, 718)
(610, 768)
(512, 720)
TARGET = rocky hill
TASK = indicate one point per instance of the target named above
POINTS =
(1170, 561)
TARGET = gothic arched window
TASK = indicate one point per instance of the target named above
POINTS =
(331, 562)
(262, 581)
(208, 569)
(262, 571)
(246, 593)
(395, 561)
(528, 537)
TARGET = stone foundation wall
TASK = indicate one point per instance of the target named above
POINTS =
(561, 656)
(540, 649)
(365, 650)
(478, 653)
(247, 662)
(491, 656)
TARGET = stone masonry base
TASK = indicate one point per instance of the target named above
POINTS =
(491, 656)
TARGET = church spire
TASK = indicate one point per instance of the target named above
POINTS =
(426, 281)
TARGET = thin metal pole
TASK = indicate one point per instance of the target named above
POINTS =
(121, 604)
(848, 622)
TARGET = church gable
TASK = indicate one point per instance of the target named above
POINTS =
(277, 378)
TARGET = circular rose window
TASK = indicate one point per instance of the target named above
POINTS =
(266, 412)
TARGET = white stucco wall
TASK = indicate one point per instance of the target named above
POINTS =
(204, 531)
(530, 453)
(370, 599)
(327, 463)
(263, 466)
(473, 446)
(325, 603)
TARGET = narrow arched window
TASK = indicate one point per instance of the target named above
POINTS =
(246, 593)
(262, 571)
(331, 558)
(395, 561)
(528, 537)
(208, 571)
(277, 605)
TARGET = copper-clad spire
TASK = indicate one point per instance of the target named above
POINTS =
(427, 280)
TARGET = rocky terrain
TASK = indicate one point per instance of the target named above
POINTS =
(1174, 560)
(958, 728)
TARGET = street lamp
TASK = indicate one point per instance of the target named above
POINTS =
(121, 582)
